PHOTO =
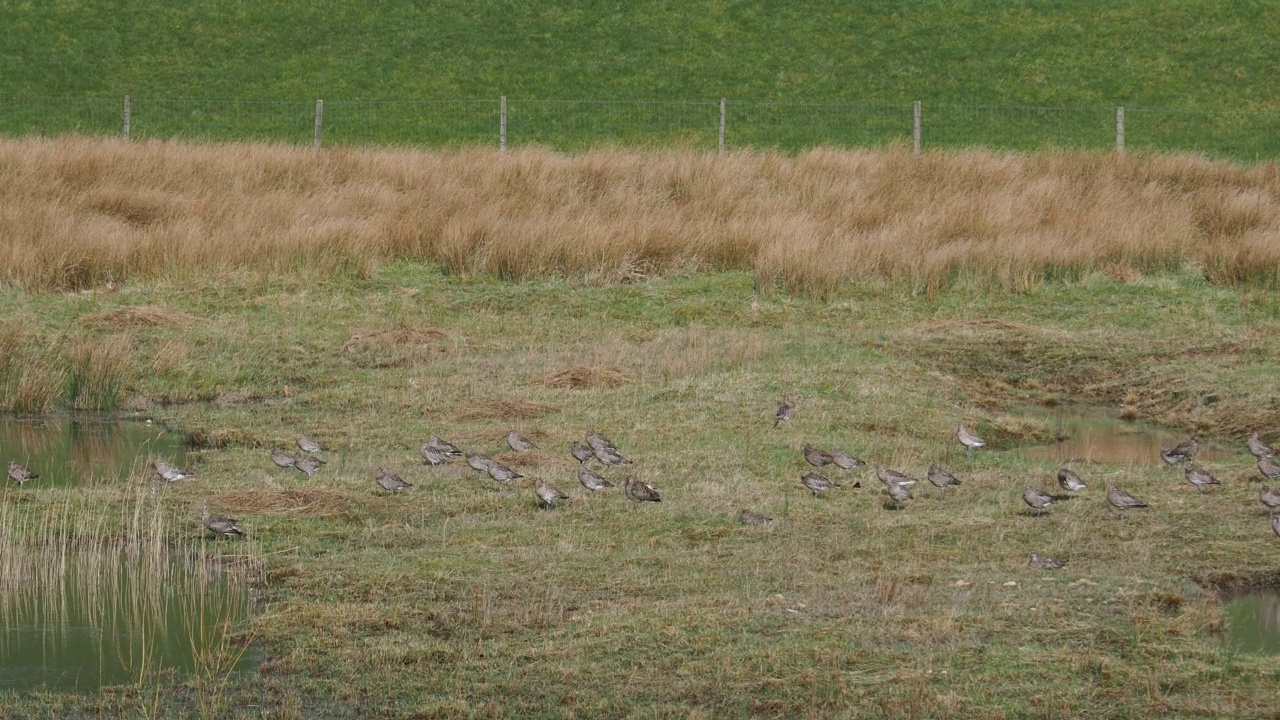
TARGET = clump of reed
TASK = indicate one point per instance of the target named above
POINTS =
(92, 212)
(39, 373)
(118, 561)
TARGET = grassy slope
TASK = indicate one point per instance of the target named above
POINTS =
(456, 599)
(1184, 54)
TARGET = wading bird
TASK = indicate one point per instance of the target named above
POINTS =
(580, 452)
(1269, 497)
(502, 473)
(1258, 448)
(443, 446)
(845, 461)
(1199, 477)
(786, 409)
(1268, 467)
(281, 458)
(968, 438)
(1038, 563)
(548, 494)
(592, 480)
(309, 464)
(519, 442)
(220, 525)
(1181, 452)
(390, 482)
(432, 456)
(1122, 499)
(168, 472)
(309, 445)
(479, 462)
(899, 493)
(1069, 481)
(942, 479)
(893, 477)
(817, 484)
(816, 457)
(1036, 498)
(747, 517)
(641, 491)
(20, 473)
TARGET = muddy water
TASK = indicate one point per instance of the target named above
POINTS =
(68, 451)
(85, 619)
(1253, 622)
(1100, 435)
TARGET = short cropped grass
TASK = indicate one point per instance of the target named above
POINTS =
(457, 598)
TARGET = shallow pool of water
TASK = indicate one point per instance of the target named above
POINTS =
(85, 619)
(1100, 435)
(1253, 622)
(67, 451)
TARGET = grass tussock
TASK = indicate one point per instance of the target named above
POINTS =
(582, 376)
(141, 316)
(91, 212)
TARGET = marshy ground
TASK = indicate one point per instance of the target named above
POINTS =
(456, 598)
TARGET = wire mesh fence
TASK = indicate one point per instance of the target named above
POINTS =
(709, 124)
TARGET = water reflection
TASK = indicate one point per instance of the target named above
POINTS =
(1100, 435)
(1253, 621)
(68, 451)
(90, 617)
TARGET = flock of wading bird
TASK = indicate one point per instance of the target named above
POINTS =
(436, 452)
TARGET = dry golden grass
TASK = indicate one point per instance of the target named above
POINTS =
(85, 212)
(137, 316)
(505, 409)
(581, 376)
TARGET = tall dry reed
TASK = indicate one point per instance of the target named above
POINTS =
(80, 212)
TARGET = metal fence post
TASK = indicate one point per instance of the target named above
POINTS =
(1120, 130)
(319, 132)
(502, 123)
(127, 117)
(915, 127)
(722, 116)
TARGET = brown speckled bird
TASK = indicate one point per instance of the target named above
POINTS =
(899, 493)
(220, 525)
(548, 493)
(1258, 448)
(748, 517)
(893, 477)
(309, 464)
(20, 473)
(1122, 499)
(281, 458)
(390, 482)
(519, 442)
(444, 446)
(816, 457)
(786, 409)
(817, 484)
(845, 461)
(581, 452)
(1038, 563)
(1069, 481)
(1036, 498)
(1269, 497)
(641, 491)
(479, 462)
(942, 479)
(968, 438)
(1199, 477)
(502, 473)
(1268, 467)
(309, 445)
(168, 471)
(592, 480)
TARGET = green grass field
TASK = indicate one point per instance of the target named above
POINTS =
(796, 76)
(456, 598)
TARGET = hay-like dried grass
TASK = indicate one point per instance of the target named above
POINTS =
(506, 409)
(137, 316)
(399, 337)
(582, 376)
